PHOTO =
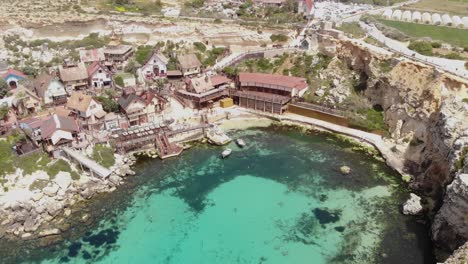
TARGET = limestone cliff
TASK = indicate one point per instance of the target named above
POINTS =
(451, 222)
(460, 256)
(428, 122)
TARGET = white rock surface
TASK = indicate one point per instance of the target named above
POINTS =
(413, 205)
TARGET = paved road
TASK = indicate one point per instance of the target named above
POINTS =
(376, 11)
(456, 67)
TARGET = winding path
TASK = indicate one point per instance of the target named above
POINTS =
(456, 67)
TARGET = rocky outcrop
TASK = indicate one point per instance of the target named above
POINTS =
(460, 256)
(451, 222)
(413, 205)
(426, 117)
(39, 213)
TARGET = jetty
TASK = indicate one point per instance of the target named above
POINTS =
(153, 136)
(93, 166)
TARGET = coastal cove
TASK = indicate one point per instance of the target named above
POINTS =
(253, 207)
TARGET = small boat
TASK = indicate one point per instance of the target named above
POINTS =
(226, 153)
(240, 142)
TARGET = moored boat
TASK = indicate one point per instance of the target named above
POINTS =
(226, 153)
(240, 142)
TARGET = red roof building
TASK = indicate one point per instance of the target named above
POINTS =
(273, 83)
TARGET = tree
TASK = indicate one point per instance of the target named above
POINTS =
(231, 71)
(3, 88)
(4, 112)
(119, 81)
(29, 70)
(108, 104)
(132, 67)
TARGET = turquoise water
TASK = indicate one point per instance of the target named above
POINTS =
(282, 199)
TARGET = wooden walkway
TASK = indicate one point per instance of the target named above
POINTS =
(93, 166)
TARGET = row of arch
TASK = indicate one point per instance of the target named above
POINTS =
(426, 18)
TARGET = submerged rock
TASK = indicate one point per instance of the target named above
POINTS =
(413, 205)
(345, 170)
(49, 232)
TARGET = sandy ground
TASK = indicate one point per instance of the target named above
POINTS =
(244, 123)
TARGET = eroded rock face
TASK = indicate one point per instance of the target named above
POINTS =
(459, 256)
(451, 222)
(427, 119)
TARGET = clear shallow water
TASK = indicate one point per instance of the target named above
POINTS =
(280, 200)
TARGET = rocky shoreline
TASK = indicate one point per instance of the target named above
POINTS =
(42, 213)
(47, 216)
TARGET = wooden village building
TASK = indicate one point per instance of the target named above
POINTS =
(202, 91)
(99, 76)
(189, 64)
(118, 54)
(50, 89)
(87, 110)
(12, 77)
(267, 92)
(73, 76)
(142, 108)
(155, 66)
(58, 131)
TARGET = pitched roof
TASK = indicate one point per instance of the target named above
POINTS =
(219, 79)
(92, 55)
(79, 101)
(13, 72)
(148, 96)
(41, 83)
(189, 61)
(273, 80)
(157, 54)
(61, 111)
(201, 84)
(118, 50)
(94, 67)
(56, 122)
(76, 73)
(32, 122)
(126, 100)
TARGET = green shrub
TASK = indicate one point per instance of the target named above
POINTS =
(278, 38)
(460, 163)
(454, 56)
(200, 46)
(142, 53)
(194, 3)
(103, 155)
(421, 47)
(436, 45)
(119, 81)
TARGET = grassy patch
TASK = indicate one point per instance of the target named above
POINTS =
(142, 53)
(367, 119)
(459, 7)
(353, 30)
(38, 185)
(103, 155)
(460, 163)
(385, 65)
(453, 36)
(30, 163)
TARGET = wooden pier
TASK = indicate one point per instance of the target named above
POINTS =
(93, 166)
(153, 136)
